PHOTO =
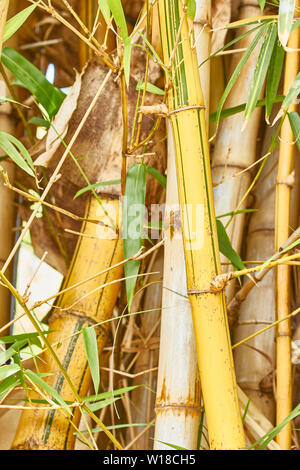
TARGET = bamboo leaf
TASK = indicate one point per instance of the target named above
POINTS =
(44, 386)
(150, 88)
(15, 338)
(118, 426)
(8, 143)
(91, 349)
(133, 222)
(157, 175)
(105, 10)
(238, 109)
(173, 446)
(261, 69)
(286, 13)
(111, 393)
(191, 8)
(126, 59)
(238, 69)
(274, 75)
(292, 93)
(8, 370)
(262, 4)
(8, 384)
(33, 80)
(8, 353)
(96, 185)
(226, 247)
(119, 17)
(102, 404)
(294, 119)
(13, 24)
(40, 122)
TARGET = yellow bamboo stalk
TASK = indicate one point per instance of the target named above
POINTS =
(235, 149)
(186, 112)
(7, 213)
(282, 230)
(74, 311)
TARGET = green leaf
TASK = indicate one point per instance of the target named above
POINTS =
(173, 446)
(119, 17)
(111, 393)
(292, 93)
(118, 426)
(261, 69)
(191, 8)
(238, 69)
(15, 338)
(294, 119)
(246, 410)
(8, 143)
(126, 59)
(96, 185)
(240, 211)
(4, 99)
(8, 353)
(157, 175)
(274, 75)
(102, 404)
(44, 386)
(13, 24)
(133, 223)
(8, 384)
(262, 4)
(238, 109)
(285, 21)
(33, 80)
(40, 122)
(150, 88)
(91, 349)
(226, 247)
(269, 436)
(7, 371)
(105, 10)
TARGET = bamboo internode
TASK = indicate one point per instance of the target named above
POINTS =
(202, 260)
(83, 306)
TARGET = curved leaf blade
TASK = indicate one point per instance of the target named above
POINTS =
(91, 349)
(286, 13)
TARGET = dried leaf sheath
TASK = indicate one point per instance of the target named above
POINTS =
(202, 262)
(52, 430)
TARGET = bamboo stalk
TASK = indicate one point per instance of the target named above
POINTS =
(235, 149)
(254, 370)
(282, 229)
(7, 213)
(202, 262)
(52, 430)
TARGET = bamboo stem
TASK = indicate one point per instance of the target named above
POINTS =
(282, 224)
(201, 256)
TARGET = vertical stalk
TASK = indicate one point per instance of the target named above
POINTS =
(235, 149)
(75, 310)
(7, 213)
(282, 231)
(186, 112)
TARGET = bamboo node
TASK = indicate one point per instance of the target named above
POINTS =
(288, 180)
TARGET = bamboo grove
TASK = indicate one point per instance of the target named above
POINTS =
(149, 214)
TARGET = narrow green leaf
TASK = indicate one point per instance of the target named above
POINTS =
(226, 247)
(157, 175)
(173, 446)
(286, 13)
(31, 78)
(191, 8)
(13, 24)
(119, 17)
(44, 386)
(126, 59)
(292, 93)
(40, 122)
(111, 393)
(238, 109)
(105, 10)
(150, 88)
(261, 69)
(15, 338)
(96, 185)
(91, 349)
(4, 99)
(238, 69)
(8, 353)
(294, 119)
(133, 223)
(246, 410)
(274, 75)
(8, 384)
(102, 404)
(118, 426)
(8, 143)
(262, 4)
(7, 371)
(241, 211)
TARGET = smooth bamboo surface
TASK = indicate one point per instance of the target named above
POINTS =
(235, 149)
(282, 232)
(94, 253)
(178, 395)
(186, 110)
